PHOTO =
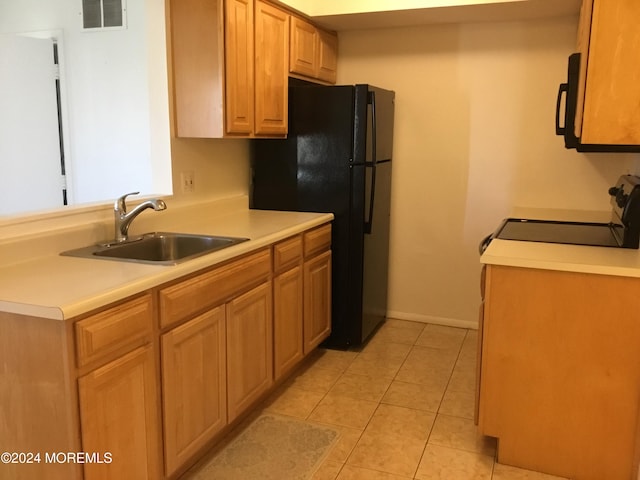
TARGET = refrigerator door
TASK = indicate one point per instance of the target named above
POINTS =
(382, 105)
(327, 164)
(378, 146)
(311, 171)
(376, 253)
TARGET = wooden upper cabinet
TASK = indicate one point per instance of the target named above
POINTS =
(228, 64)
(609, 43)
(238, 28)
(271, 59)
(313, 52)
(304, 43)
(196, 64)
(327, 56)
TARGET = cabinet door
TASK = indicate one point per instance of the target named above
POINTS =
(239, 108)
(196, 54)
(119, 414)
(557, 375)
(327, 56)
(611, 114)
(483, 288)
(302, 53)
(584, 34)
(194, 386)
(476, 414)
(317, 300)
(287, 324)
(249, 349)
(271, 67)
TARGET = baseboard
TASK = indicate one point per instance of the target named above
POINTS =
(417, 317)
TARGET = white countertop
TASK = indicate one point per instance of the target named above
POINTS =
(571, 258)
(61, 287)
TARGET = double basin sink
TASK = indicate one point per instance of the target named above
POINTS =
(158, 248)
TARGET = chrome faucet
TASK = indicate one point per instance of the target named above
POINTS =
(124, 219)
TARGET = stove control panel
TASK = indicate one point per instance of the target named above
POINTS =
(619, 195)
(625, 200)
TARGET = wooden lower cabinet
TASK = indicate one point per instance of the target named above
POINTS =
(560, 376)
(249, 349)
(154, 380)
(317, 300)
(287, 322)
(194, 386)
(119, 415)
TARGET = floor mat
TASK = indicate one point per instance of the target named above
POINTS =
(271, 447)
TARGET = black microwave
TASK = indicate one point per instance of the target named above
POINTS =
(570, 89)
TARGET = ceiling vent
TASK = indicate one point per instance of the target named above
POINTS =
(103, 14)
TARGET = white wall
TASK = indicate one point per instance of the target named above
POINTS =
(220, 167)
(114, 89)
(474, 138)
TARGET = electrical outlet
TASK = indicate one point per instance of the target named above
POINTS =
(187, 181)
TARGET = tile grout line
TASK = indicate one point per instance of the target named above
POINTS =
(440, 403)
(379, 402)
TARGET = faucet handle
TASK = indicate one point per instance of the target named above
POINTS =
(120, 204)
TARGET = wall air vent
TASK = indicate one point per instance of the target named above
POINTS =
(103, 14)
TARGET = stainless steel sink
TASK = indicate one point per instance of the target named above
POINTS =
(158, 248)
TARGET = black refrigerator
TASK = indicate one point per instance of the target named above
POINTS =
(337, 158)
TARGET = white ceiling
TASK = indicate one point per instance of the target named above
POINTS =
(359, 14)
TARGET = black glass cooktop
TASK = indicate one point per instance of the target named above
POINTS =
(575, 233)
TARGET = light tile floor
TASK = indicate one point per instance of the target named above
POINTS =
(404, 405)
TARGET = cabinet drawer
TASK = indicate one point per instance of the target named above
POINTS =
(114, 329)
(199, 293)
(287, 254)
(317, 240)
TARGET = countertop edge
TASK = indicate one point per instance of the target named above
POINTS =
(155, 275)
(51, 313)
(561, 257)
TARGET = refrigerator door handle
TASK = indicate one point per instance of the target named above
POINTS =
(368, 225)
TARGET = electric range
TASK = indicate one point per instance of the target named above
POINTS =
(623, 231)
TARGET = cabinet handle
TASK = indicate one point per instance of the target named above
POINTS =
(564, 88)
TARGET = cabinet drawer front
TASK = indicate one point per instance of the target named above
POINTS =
(112, 330)
(189, 297)
(287, 254)
(317, 240)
